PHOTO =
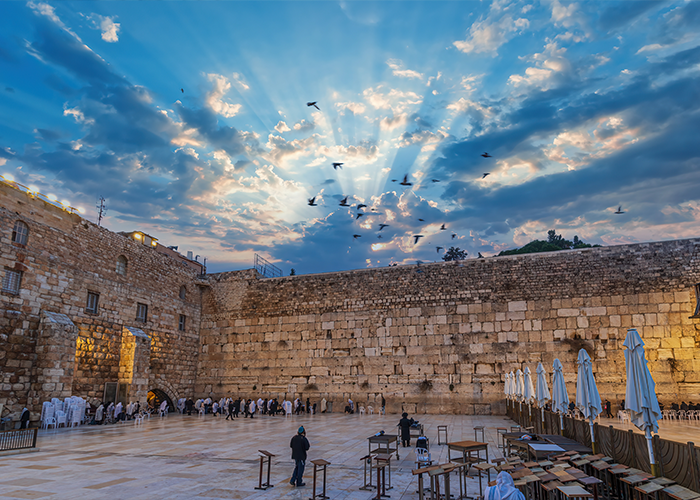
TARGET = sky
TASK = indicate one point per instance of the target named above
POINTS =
(191, 120)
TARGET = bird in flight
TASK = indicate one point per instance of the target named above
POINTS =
(486, 155)
(379, 236)
(619, 210)
(344, 202)
(438, 249)
(359, 215)
(394, 180)
(312, 202)
(436, 180)
(182, 90)
(336, 165)
(382, 226)
(442, 228)
(313, 104)
(405, 181)
(416, 237)
(454, 236)
(357, 236)
(361, 205)
(421, 220)
(485, 175)
(481, 256)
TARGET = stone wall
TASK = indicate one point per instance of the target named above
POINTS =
(440, 337)
(66, 257)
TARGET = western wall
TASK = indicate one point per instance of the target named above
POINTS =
(438, 338)
(434, 338)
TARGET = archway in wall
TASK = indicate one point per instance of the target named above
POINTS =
(156, 397)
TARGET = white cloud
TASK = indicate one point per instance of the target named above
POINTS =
(238, 78)
(304, 126)
(397, 68)
(488, 35)
(77, 115)
(551, 69)
(650, 47)
(214, 97)
(356, 108)
(109, 28)
(366, 150)
(564, 15)
(434, 78)
(468, 106)
(282, 127)
(281, 149)
(395, 100)
(46, 10)
(393, 122)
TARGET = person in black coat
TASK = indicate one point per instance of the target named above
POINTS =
(24, 419)
(405, 425)
(189, 406)
(299, 446)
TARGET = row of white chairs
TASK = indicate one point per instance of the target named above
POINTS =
(681, 414)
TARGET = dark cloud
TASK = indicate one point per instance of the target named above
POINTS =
(10, 90)
(619, 14)
(55, 82)
(47, 135)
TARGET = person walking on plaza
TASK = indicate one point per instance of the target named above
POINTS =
(229, 413)
(405, 425)
(606, 407)
(299, 446)
(383, 405)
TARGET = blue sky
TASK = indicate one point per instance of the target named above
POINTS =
(584, 106)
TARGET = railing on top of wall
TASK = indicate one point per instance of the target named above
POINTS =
(677, 461)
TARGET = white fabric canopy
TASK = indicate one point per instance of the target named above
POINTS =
(560, 398)
(587, 397)
(542, 392)
(528, 389)
(519, 385)
(640, 398)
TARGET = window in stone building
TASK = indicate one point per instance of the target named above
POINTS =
(141, 312)
(93, 300)
(20, 233)
(11, 281)
(183, 292)
(181, 325)
(121, 265)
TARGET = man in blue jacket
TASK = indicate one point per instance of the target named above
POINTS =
(299, 446)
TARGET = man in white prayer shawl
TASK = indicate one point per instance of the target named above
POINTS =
(251, 409)
(504, 490)
(260, 405)
(323, 405)
(243, 406)
(117, 410)
(164, 409)
(99, 413)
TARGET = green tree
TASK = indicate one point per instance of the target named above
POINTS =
(554, 243)
(292, 272)
(454, 253)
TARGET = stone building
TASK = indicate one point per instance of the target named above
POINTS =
(92, 313)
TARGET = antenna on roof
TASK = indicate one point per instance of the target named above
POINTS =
(102, 210)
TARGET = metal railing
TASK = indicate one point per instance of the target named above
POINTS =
(18, 439)
(265, 268)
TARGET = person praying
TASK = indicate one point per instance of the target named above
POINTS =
(405, 425)
(504, 490)
(251, 408)
(324, 405)
(24, 419)
(99, 414)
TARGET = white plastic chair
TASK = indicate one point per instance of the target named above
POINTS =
(423, 458)
(362, 410)
(48, 422)
(60, 419)
(370, 410)
(138, 419)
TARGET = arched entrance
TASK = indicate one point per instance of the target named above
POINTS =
(156, 397)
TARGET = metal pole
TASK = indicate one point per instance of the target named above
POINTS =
(593, 445)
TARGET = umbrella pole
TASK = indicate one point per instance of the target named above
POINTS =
(561, 423)
(593, 444)
(529, 409)
(654, 467)
(542, 414)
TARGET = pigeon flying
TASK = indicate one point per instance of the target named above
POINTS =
(619, 210)
(357, 236)
(442, 228)
(438, 249)
(486, 155)
(361, 205)
(313, 104)
(405, 181)
(336, 165)
(485, 174)
(454, 236)
(436, 180)
(359, 215)
(421, 220)
(182, 90)
(312, 202)
(382, 226)
(344, 202)
(416, 237)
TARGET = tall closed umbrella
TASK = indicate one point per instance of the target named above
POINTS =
(541, 391)
(640, 398)
(560, 398)
(528, 390)
(587, 397)
(506, 388)
(519, 387)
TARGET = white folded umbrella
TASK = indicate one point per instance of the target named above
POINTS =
(587, 396)
(541, 390)
(560, 398)
(512, 385)
(506, 386)
(640, 397)
(528, 389)
(519, 387)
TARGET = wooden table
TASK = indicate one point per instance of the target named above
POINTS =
(466, 448)
(419, 473)
(649, 489)
(575, 492)
(634, 480)
(483, 466)
(593, 482)
(678, 492)
(384, 443)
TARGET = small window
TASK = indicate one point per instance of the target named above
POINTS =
(183, 292)
(11, 281)
(121, 265)
(181, 325)
(20, 233)
(141, 312)
(93, 300)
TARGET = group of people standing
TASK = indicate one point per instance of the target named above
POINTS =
(232, 408)
(115, 412)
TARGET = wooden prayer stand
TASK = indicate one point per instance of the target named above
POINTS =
(323, 464)
(381, 478)
(419, 473)
(266, 484)
(367, 459)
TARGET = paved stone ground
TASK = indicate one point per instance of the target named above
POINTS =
(209, 457)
